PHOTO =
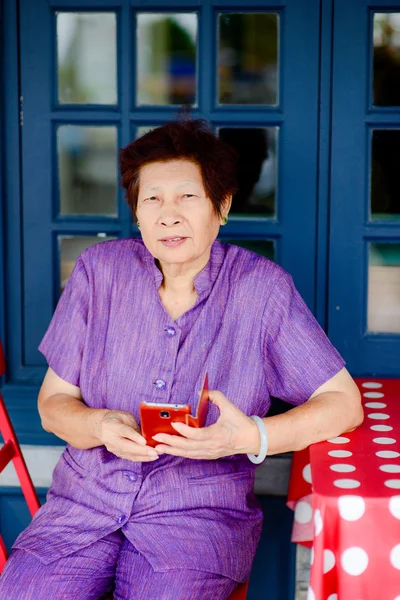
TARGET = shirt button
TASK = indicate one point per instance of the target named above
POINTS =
(170, 331)
(131, 476)
(160, 384)
(121, 519)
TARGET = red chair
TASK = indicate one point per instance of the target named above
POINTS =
(11, 451)
(240, 593)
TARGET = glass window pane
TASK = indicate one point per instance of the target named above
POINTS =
(263, 247)
(257, 171)
(385, 197)
(166, 58)
(87, 58)
(248, 58)
(384, 288)
(142, 129)
(87, 162)
(386, 62)
(70, 247)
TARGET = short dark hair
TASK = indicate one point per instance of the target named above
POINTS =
(187, 139)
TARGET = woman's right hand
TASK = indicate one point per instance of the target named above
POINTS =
(120, 434)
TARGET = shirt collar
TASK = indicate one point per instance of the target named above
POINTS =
(204, 280)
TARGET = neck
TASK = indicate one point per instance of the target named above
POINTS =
(179, 278)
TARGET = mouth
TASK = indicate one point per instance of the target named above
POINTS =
(172, 241)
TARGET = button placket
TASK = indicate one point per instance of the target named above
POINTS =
(160, 384)
(170, 331)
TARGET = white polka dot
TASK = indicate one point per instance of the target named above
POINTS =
(333, 597)
(307, 473)
(376, 405)
(390, 468)
(340, 453)
(384, 440)
(339, 440)
(381, 428)
(310, 594)
(351, 508)
(393, 484)
(329, 560)
(312, 556)
(354, 560)
(343, 468)
(380, 416)
(347, 484)
(372, 385)
(318, 522)
(394, 506)
(387, 454)
(373, 395)
(397, 598)
(303, 512)
(395, 557)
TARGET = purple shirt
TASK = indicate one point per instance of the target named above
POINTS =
(111, 335)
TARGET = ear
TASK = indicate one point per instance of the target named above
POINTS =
(226, 204)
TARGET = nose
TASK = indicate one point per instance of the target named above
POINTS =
(169, 220)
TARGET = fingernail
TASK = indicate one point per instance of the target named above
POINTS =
(152, 453)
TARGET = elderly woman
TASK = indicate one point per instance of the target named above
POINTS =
(144, 320)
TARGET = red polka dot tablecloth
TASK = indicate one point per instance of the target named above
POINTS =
(345, 494)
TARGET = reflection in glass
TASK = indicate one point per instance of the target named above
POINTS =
(166, 58)
(248, 58)
(257, 168)
(87, 162)
(86, 58)
(384, 288)
(70, 247)
(263, 247)
(386, 65)
(385, 196)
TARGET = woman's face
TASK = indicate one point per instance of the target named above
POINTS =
(177, 220)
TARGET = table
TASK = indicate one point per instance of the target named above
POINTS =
(346, 496)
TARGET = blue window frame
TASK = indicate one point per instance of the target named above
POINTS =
(360, 274)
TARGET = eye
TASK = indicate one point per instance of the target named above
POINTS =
(150, 198)
(188, 195)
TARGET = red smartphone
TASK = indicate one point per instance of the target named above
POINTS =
(156, 417)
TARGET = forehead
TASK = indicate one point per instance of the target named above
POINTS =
(169, 173)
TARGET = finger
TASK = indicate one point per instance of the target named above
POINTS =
(193, 433)
(218, 399)
(162, 449)
(177, 441)
(126, 431)
(127, 447)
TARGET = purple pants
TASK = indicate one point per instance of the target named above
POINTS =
(111, 565)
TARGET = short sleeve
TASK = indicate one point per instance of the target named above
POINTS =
(64, 340)
(298, 355)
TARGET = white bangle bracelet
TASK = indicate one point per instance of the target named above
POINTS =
(264, 441)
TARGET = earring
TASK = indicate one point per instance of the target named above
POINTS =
(225, 220)
(138, 224)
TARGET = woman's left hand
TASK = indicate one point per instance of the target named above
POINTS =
(233, 433)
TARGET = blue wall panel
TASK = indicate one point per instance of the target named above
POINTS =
(14, 513)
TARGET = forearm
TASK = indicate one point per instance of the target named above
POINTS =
(71, 420)
(323, 417)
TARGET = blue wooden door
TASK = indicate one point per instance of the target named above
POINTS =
(364, 295)
(92, 79)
